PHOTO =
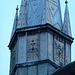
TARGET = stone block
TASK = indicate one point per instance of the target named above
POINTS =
(43, 45)
(32, 70)
(50, 46)
(22, 71)
(42, 69)
(22, 48)
(68, 53)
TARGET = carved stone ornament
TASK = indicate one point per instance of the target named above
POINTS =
(59, 50)
(32, 47)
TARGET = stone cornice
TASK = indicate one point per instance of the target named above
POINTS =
(37, 27)
(33, 63)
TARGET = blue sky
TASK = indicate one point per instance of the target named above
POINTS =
(7, 14)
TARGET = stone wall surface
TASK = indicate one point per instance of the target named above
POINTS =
(21, 48)
(68, 53)
(39, 69)
(38, 45)
(50, 45)
(43, 44)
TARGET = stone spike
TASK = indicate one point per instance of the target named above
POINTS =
(66, 26)
(15, 22)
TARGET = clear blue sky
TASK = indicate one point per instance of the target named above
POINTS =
(7, 14)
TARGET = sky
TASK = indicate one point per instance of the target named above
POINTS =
(7, 14)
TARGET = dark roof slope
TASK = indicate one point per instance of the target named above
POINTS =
(66, 70)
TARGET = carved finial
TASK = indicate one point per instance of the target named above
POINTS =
(17, 8)
(66, 1)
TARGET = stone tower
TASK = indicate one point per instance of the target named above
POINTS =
(40, 43)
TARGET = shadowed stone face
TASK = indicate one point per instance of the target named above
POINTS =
(32, 46)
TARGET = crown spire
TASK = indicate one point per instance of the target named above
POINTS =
(15, 21)
(38, 12)
(17, 16)
(66, 26)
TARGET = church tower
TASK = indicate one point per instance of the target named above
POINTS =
(40, 43)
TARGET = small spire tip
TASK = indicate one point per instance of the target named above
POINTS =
(66, 2)
(17, 7)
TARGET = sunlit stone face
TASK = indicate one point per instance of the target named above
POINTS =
(59, 50)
